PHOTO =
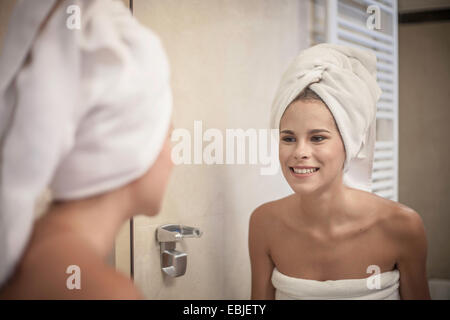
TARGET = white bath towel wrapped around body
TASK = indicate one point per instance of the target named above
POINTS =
(290, 288)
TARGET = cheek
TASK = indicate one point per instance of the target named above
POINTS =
(284, 152)
(154, 183)
(334, 154)
(164, 164)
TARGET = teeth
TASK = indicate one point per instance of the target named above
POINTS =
(304, 170)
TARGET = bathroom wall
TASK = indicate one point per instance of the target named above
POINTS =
(424, 115)
(226, 59)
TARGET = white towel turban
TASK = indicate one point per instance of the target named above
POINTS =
(88, 113)
(345, 78)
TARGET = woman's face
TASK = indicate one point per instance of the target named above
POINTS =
(309, 138)
(149, 189)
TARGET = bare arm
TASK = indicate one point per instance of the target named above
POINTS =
(412, 256)
(261, 263)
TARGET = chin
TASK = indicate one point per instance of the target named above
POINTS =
(303, 187)
(151, 209)
(304, 190)
(154, 211)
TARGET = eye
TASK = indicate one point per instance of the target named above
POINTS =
(288, 139)
(320, 137)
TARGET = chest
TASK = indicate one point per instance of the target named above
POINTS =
(353, 254)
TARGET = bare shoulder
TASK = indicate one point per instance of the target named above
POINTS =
(268, 213)
(266, 221)
(406, 224)
(400, 227)
(398, 220)
(44, 272)
(107, 283)
(405, 227)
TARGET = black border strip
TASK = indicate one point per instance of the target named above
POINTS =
(225, 309)
(424, 16)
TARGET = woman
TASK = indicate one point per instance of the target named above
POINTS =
(324, 241)
(87, 112)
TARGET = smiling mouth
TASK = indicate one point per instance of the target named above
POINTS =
(303, 171)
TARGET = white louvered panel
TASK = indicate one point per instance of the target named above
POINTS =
(382, 145)
(385, 77)
(384, 107)
(385, 115)
(387, 96)
(383, 182)
(382, 185)
(352, 10)
(384, 154)
(384, 5)
(383, 57)
(381, 165)
(383, 174)
(385, 86)
(361, 39)
(380, 55)
(362, 29)
(346, 24)
(384, 67)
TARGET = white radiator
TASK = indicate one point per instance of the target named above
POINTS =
(345, 22)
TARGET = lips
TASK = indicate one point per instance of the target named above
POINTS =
(303, 171)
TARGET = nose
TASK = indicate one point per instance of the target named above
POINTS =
(302, 150)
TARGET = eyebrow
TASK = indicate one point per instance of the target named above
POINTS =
(310, 131)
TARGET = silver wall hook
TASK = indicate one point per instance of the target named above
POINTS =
(174, 262)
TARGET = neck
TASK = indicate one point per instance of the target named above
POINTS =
(95, 220)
